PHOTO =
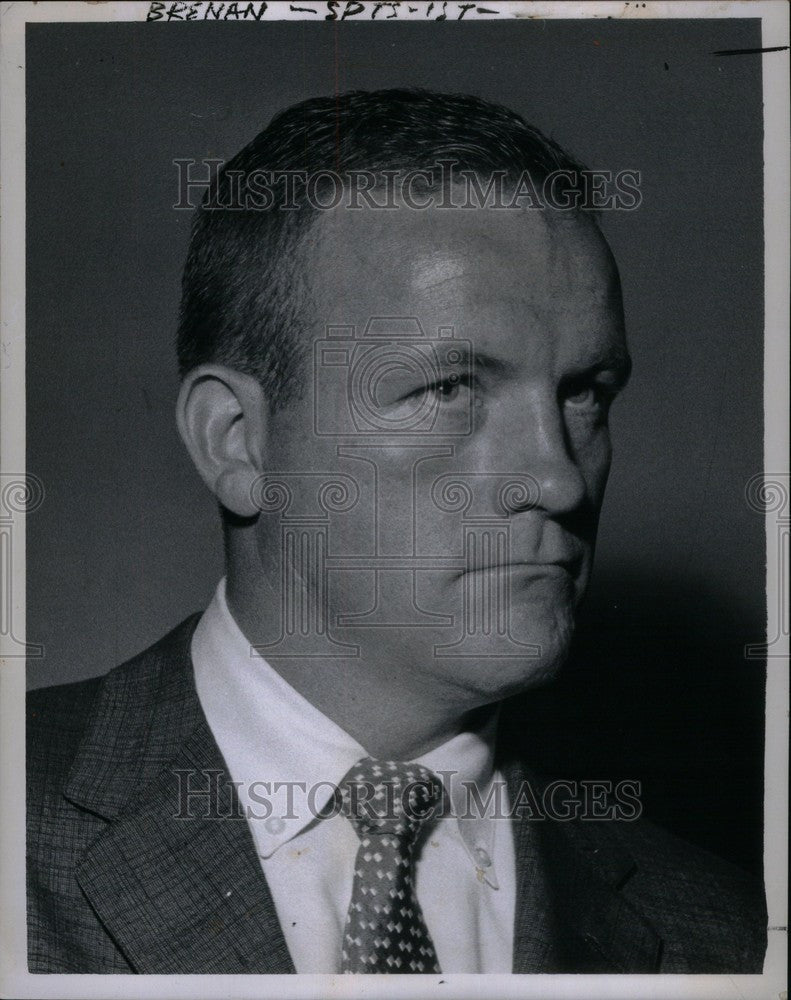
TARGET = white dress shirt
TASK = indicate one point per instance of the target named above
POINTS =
(268, 733)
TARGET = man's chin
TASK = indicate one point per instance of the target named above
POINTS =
(498, 672)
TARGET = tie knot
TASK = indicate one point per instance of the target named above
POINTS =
(389, 796)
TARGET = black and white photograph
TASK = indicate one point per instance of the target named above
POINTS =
(395, 499)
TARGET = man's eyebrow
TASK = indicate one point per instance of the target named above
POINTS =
(482, 361)
(612, 359)
(494, 366)
(616, 360)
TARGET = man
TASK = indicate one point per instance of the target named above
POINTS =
(401, 333)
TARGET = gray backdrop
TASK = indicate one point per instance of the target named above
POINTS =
(126, 542)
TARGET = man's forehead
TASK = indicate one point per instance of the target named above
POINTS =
(400, 256)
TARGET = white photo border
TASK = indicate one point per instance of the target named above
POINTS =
(15, 981)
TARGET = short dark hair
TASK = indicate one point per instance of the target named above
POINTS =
(243, 289)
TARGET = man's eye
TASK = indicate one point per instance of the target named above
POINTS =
(590, 401)
(584, 398)
(594, 397)
(448, 389)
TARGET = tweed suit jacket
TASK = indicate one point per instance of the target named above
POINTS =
(119, 883)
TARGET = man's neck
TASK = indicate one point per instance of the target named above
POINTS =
(388, 708)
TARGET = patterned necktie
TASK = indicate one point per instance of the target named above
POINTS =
(387, 803)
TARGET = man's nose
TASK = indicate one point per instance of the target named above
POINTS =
(538, 448)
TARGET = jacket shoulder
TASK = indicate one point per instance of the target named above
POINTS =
(78, 726)
(710, 914)
(62, 710)
(58, 716)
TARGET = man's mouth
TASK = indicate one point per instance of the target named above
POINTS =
(566, 566)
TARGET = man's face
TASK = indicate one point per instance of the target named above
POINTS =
(478, 454)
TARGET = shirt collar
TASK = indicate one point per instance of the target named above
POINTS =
(268, 733)
(466, 760)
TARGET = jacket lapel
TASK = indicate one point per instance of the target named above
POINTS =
(174, 878)
(570, 914)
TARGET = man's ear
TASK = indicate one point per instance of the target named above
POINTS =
(222, 418)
